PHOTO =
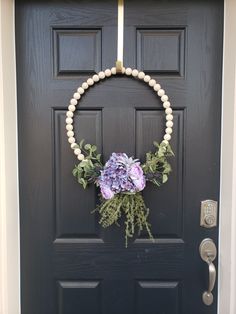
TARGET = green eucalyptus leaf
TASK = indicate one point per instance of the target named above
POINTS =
(90, 163)
(164, 178)
(83, 182)
(87, 146)
(81, 143)
(74, 172)
(93, 148)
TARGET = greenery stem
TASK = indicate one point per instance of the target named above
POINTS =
(134, 209)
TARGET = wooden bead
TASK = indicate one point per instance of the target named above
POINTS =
(166, 104)
(169, 117)
(90, 81)
(168, 110)
(167, 137)
(80, 90)
(95, 78)
(152, 82)
(85, 85)
(73, 145)
(165, 142)
(101, 75)
(69, 114)
(108, 72)
(69, 121)
(113, 71)
(128, 71)
(135, 73)
(141, 75)
(146, 78)
(169, 130)
(77, 96)
(164, 98)
(161, 92)
(69, 127)
(80, 157)
(73, 102)
(71, 140)
(169, 124)
(70, 134)
(156, 87)
(71, 108)
(77, 151)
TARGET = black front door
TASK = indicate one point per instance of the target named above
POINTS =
(69, 264)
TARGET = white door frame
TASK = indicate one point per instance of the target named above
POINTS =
(227, 236)
(9, 188)
(9, 205)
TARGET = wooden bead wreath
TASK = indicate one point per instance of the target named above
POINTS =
(122, 178)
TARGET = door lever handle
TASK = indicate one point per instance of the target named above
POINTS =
(207, 295)
(208, 254)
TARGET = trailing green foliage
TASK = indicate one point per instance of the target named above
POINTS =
(134, 209)
(88, 170)
(156, 167)
(130, 205)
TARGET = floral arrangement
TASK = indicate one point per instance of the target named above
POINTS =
(121, 181)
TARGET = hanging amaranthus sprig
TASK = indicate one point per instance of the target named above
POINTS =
(132, 206)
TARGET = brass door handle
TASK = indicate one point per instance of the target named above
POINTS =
(208, 254)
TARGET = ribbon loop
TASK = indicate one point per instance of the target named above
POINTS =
(120, 36)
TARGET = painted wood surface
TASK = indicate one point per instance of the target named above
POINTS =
(69, 264)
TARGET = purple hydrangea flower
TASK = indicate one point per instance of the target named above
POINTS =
(121, 174)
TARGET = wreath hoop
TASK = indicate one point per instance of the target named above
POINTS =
(122, 178)
(106, 74)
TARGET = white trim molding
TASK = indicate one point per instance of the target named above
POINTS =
(9, 207)
(227, 248)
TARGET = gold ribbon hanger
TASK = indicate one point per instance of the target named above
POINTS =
(120, 36)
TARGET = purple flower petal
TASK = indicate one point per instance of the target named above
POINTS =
(121, 174)
(107, 193)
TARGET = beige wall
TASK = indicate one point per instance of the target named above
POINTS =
(9, 209)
